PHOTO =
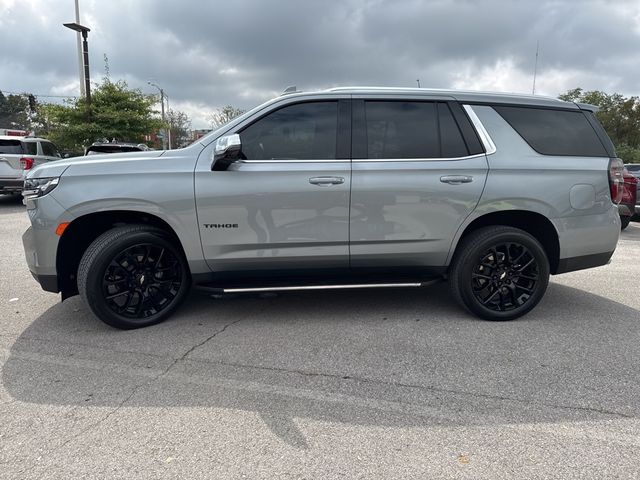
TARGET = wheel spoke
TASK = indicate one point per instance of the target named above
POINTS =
(490, 297)
(522, 267)
(142, 280)
(158, 260)
(499, 281)
(119, 294)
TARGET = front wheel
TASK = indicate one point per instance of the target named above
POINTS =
(133, 276)
(499, 273)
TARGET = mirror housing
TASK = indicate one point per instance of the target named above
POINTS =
(226, 151)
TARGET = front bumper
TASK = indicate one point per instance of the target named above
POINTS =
(11, 185)
(49, 283)
(47, 280)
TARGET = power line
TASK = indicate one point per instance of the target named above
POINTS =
(38, 94)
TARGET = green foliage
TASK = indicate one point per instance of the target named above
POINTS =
(17, 111)
(224, 115)
(115, 112)
(180, 127)
(619, 115)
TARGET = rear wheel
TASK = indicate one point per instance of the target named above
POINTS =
(499, 273)
(133, 276)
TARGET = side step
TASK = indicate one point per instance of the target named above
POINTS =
(331, 286)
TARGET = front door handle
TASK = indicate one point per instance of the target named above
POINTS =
(326, 181)
(456, 179)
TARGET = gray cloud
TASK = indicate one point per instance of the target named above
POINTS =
(209, 54)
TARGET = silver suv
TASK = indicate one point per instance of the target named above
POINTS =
(20, 154)
(349, 187)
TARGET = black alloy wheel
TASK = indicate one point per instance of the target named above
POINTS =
(505, 277)
(499, 272)
(142, 280)
(133, 276)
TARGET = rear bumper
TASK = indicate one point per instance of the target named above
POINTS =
(585, 261)
(626, 210)
(11, 185)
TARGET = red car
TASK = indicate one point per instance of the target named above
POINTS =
(627, 205)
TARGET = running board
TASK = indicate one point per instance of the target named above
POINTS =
(319, 287)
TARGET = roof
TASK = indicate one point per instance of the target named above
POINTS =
(21, 138)
(460, 95)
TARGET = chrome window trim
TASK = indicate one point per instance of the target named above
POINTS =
(485, 138)
(293, 160)
(430, 159)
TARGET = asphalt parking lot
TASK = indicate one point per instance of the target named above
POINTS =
(337, 384)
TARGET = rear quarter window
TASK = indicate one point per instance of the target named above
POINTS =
(554, 132)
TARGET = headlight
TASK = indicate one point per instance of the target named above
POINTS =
(37, 187)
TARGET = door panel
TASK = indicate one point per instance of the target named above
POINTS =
(286, 204)
(416, 177)
(402, 214)
(278, 218)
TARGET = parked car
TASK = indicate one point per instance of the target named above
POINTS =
(627, 207)
(634, 169)
(349, 187)
(20, 154)
(114, 147)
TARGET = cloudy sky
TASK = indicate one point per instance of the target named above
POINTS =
(207, 54)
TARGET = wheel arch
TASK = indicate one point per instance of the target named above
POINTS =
(82, 231)
(536, 224)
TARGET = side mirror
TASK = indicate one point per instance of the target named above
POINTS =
(226, 151)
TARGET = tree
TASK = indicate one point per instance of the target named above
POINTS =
(115, 112)
(224, 115)
(180, 127)
(619, 115)
(17, 111)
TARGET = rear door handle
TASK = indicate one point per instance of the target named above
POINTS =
(326, 181)
(456, 179)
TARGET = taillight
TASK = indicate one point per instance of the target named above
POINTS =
(616, 179)
(26, 163)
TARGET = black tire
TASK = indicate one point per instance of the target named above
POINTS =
(487, 279)
(133, 276)
(624, 222)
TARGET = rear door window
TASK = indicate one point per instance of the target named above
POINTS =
(402, 129)
(11, 147)
(408, 129)
(554, 132)
(30, 148)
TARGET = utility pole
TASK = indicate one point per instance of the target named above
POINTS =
(166, 137)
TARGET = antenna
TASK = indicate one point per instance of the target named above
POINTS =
(418, 80)
(535, 68)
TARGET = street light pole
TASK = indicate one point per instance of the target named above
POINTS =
(85, 54)
(79, 44)
(167, 131)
